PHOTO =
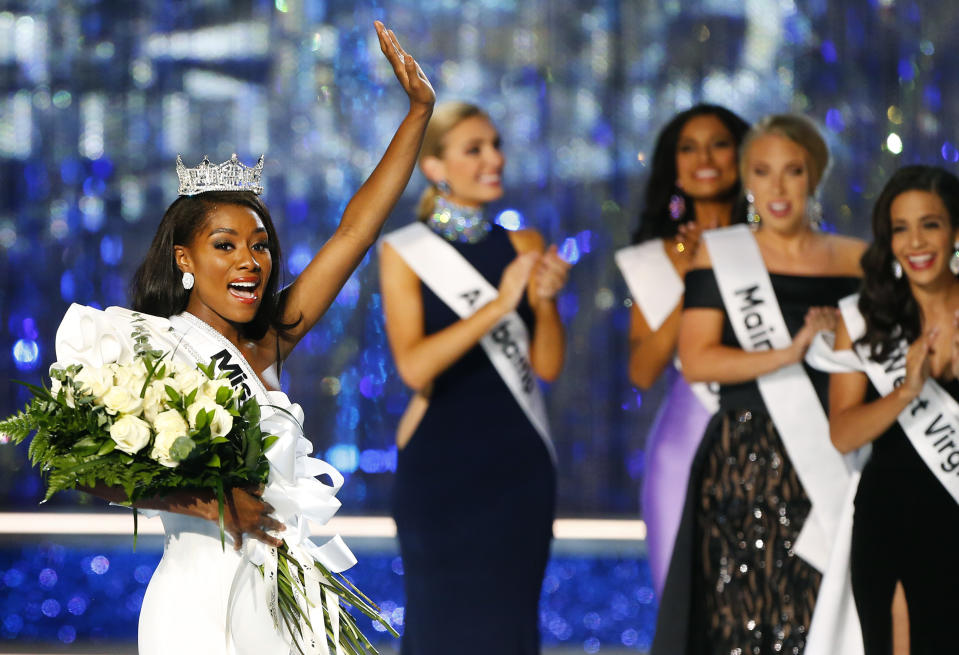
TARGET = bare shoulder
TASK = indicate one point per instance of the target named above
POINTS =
(527, 240)
(846, 253)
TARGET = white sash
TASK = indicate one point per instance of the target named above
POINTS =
(652, 280)
(293, 490)
(788, 393)
(464, 289)
(657, 289)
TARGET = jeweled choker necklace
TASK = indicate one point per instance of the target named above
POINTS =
(458, 223)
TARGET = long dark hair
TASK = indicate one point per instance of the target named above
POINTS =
(886, 303)
(655, 221)
(156, 287)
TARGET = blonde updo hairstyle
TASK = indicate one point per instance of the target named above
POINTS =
(801, 131)
(445, 117)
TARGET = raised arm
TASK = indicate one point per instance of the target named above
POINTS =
(311, 294)
(852, 422)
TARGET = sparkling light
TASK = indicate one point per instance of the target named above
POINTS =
(894, 143)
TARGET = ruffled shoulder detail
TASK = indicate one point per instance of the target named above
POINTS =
(96, 338)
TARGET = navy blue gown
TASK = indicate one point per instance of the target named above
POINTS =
(473, 500)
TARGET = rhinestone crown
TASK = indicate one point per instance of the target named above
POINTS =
(231, 175)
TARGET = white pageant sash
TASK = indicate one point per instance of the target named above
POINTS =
(788, 393)
(464, 289)
(652, 280)
(657, 289)
(931, 422)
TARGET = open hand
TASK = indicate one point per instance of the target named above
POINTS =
(515, 278)
(548, 277)
(246, 513)
(817, 319)
(407, 71)
(919, 362)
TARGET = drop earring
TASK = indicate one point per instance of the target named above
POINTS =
(677, 206)
(814, 212)
(752, 216)
(443, 186)
(954, 260)
(188, 280)
(897, 268)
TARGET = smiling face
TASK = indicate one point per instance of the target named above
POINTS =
(231, 261)
(777, 174)
(705, 158)
(471, 163)
(922, 236)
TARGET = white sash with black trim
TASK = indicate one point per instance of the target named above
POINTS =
(464, 290)
(788, 393)
(657, 289)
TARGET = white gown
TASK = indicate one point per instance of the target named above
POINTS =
(204, 599)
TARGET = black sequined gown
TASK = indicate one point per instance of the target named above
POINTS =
(473, 501)
(906, 528)
(735, 586)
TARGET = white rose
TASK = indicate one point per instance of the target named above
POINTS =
(155, 400)
(189, 378)
(161, 448)
(170, 421)
(210, 388)
(222, 421)
(130, 434)
(95, 381)
(119, 400)
(130, 376)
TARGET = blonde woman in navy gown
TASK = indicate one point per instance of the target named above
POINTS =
(475, 484)
(737, 583)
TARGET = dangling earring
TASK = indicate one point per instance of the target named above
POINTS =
(443, 186)
(188, 281)
(677, 206)
(752, 216)
(897, 268)
(954, 260)
(814, 212)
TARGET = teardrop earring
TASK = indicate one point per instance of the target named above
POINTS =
(443, 186)
(677, 206)
(814, 212)
(954, 260)
(897, 269)
(752, 216)
(188, 280)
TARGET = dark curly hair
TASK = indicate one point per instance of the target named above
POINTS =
(655, 221)
(886, 303)
(156, 286)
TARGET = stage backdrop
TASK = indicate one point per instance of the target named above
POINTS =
(97, 98)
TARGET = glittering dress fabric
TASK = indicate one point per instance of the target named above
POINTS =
(734, 585)
(473, 500)
(757, 594)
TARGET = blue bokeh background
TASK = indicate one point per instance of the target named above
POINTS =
(97, 97)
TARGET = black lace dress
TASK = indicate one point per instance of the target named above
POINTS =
(473, 500)
(735, 585)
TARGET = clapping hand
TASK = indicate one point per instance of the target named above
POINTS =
(548, 277)
(817, 319)
(408, 72)
(919, 362)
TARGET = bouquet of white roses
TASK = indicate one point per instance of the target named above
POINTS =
(153, 426)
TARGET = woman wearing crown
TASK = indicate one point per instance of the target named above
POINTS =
(208, 289)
